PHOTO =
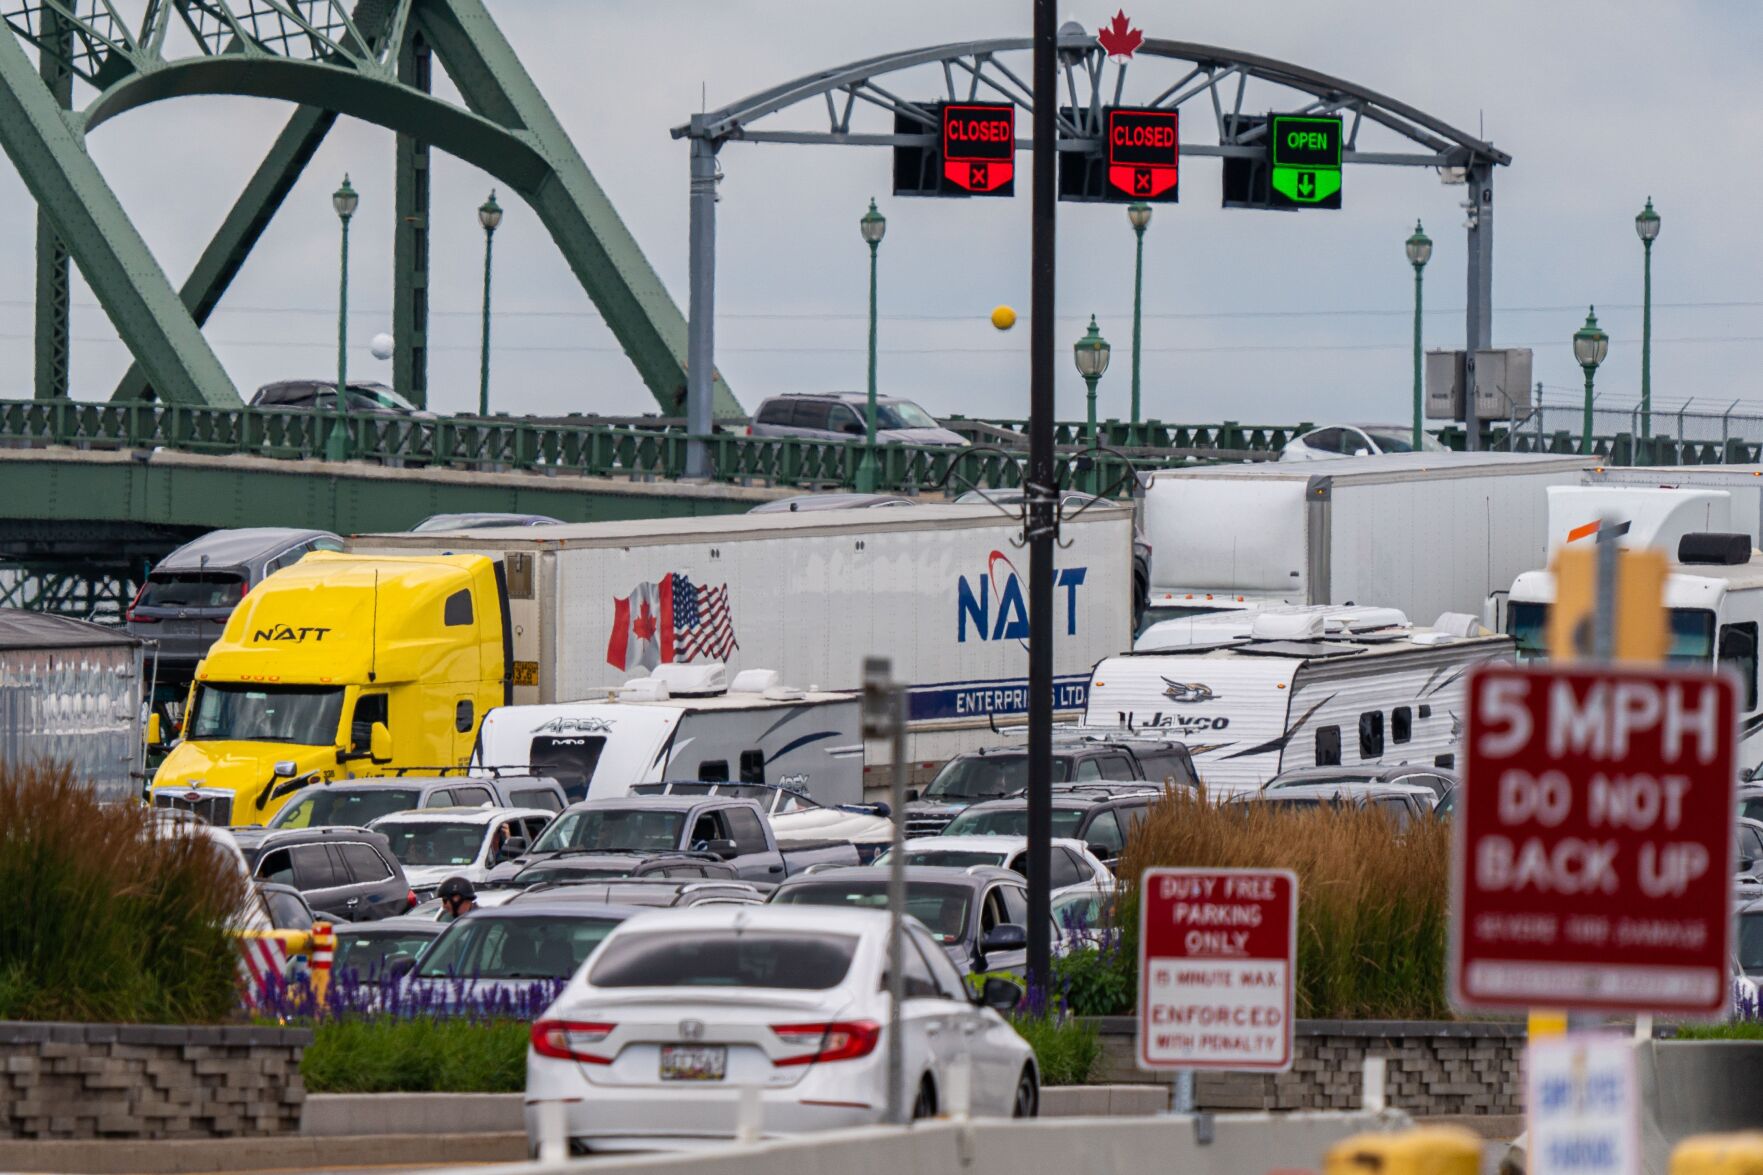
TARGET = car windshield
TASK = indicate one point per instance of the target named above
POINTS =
(322, 806)
(267, 714)
(366, 954)
(430, 842)
(1750, 944)
(488, 947)
(1402, 441)
(191, 589)
(726, 958)
(949, 858)
(941, 907)
(987, 777)
(613, 829)
(903, 414)
(1010, 822)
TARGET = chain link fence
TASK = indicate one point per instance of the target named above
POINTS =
(1679, 433)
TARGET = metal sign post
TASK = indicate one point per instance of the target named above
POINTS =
(884, 717)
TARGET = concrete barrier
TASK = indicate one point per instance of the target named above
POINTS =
(1194, 1145)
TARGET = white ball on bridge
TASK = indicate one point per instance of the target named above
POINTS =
(381, 346)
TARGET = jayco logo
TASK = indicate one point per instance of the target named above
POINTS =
(285, 632)
(996, 607)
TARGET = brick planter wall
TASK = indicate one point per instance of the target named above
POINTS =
(148, 1081)
(1433, 1067)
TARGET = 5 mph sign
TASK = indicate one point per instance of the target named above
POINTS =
(1593, 863)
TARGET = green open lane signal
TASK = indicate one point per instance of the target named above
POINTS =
(1305, 152)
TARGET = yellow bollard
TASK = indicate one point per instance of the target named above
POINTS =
(1426, 1150)
(1719, 1154)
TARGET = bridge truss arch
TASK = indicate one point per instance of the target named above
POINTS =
(825, 107)
(370, 60)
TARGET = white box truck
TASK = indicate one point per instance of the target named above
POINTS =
(942, 590)
(1425, 533)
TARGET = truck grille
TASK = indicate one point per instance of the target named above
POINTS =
(927, 825)
(216, 810)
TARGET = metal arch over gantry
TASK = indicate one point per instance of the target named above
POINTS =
(1174, 73)
(370, 59)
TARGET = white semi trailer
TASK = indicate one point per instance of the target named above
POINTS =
(942, 590)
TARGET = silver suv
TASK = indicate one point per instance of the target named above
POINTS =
(839, 416)
(184, 604)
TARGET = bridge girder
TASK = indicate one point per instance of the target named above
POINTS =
(331, 60)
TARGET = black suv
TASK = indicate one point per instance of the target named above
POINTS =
(995, 773)
(346, 873)
(1100, 817)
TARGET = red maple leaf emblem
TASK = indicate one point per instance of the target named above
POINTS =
(1118, 38)
(643, 624)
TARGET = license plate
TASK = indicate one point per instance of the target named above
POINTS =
(694, 1062)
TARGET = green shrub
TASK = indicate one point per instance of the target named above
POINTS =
(1096, 981)
(1734, 1030)
(1373, 904)
(416, 1056)
(1066, 1049)
(105, 920)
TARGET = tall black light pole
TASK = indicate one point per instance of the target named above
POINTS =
(1041, 498)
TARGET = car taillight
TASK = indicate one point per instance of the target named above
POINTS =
(749, 430)
(410, 900)
(567, 1040)
(840, 1040)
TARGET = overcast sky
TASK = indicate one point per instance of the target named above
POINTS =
(1254, 316)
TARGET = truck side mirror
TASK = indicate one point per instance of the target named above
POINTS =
(153, 737)
(513, 847)
(379, 743)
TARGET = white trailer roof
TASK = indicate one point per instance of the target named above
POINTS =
(722, 528)
(1390, 467)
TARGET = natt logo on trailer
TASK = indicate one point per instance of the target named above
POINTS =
(994, 606)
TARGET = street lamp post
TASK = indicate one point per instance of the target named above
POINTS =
(873, 226)
(1590, 345)
(1646, 226)
(489, 214)
(1139, 213)
(1091, 355)
(336, 446)
(1419, 248)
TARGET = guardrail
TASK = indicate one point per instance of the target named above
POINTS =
(514, 444)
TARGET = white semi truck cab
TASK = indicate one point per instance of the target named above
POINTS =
(1713, 593)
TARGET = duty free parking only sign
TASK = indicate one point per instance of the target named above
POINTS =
(1217, 963)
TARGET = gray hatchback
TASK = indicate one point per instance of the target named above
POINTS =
(187, 598)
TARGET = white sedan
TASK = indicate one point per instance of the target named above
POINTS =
(1357, 440)
(1074, 866)
(678, 1010)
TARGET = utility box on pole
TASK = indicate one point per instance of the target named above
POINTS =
(1444, 385)
(1502, 383)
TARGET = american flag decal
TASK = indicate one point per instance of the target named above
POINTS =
(674, 620)
(703, 624)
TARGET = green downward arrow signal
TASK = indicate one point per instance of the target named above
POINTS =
(1306, 185)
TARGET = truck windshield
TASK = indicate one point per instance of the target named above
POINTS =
(1691, 640)
(323, 806)
(267, 714)
(610, 830)
(987, 777)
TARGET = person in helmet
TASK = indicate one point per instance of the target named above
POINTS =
(457, 897)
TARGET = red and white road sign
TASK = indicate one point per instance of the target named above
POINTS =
(1592, 867)
(1217, 968)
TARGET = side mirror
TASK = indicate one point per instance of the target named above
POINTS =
(856, 428)
(1746, 864)
(153, 736)
(399, 965)
(379, 743)
(1006, 936)
(513, 847)
(1000, 994)
(722, 848)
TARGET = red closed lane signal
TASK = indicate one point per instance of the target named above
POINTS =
(1144, 154)
(979, 148)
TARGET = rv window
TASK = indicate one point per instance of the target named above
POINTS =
(752, 766)
(1528, 624)
(1738, 652)
(458, 609)
(744, 827)
(714, 772)
(570, 759)
(1401, 724)
(369, 709)
(1371, 735)
(1328, 746)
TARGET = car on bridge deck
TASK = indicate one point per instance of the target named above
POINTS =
(839, 416)
(678, 1010)
(184, 605)
(368, 396)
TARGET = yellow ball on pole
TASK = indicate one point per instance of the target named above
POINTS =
(1003, 317)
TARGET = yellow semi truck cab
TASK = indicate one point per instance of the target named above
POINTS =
(337, 667)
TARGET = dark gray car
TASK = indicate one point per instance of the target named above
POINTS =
(188, 596)
(367, 396)
(347, 873)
